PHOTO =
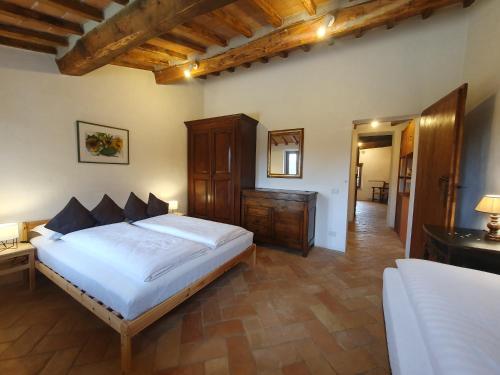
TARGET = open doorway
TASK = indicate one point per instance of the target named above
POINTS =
(381, 175)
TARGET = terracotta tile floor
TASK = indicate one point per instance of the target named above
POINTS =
(291, 316)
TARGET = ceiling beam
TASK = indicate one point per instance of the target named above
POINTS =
(58, 25)
(131, 27)
(270, 13)
(203, 33)
(27, 45)
(310, 6)
(349, 21)
(32, 36)
(78, 8)
(230, 21)
(186, 43)
(164, 51)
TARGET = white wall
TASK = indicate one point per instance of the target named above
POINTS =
(481, 151)
(38, 154)
(385, 73)
(376, 167)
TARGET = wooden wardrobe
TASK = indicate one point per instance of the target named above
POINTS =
(221, 162)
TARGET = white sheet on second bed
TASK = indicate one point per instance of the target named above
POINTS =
(458, 312)
(118, 291)
(407, 352)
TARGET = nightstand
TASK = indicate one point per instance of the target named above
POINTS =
(461, 247)
(17, 260)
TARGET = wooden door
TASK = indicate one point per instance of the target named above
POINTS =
(199, 173)
(440, 140)
(222, 174)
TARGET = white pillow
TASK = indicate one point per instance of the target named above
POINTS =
(47, 233)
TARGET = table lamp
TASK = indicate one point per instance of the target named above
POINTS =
(9, 233)
(173, 206)
(490, 204)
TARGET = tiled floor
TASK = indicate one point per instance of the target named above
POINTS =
(292, 315)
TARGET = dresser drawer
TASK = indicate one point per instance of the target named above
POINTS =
(288, 227)
(259, 221)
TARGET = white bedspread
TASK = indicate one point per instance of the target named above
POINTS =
(141, 254)
(207, 232)
(458, 312)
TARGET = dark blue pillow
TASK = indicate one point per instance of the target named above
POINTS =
(107, 212)
(135, 209)
(73, 217)
(156, 207)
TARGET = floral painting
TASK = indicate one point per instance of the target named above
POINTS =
(102, 144)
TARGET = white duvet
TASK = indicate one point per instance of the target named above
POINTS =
(458, 312)
(207, 232)
(143, 255)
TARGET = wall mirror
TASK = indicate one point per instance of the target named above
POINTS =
(285, 152)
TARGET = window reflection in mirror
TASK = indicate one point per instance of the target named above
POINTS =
(285, 153)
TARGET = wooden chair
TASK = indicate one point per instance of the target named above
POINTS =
(381, 193)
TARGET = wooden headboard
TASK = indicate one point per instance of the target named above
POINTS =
(27, 226)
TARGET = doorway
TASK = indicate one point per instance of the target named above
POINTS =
(378, 177)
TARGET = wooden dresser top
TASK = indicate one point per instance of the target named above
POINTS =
(295, 195)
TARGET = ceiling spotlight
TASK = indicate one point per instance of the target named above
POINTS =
(328, 21)
(190, 68)
(375, 123)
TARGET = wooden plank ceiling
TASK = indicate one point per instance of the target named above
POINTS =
(180, 39)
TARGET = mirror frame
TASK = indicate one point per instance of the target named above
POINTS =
(270, 133)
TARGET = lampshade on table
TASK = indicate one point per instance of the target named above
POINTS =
(490, 204)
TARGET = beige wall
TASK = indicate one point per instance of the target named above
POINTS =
(385, 73)
(38, 152)
(481, 151)
(376, 167)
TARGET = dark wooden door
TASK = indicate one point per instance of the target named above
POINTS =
(222, 191)
(440, 140)
(200, 173)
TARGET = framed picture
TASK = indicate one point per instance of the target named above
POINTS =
(102, 144)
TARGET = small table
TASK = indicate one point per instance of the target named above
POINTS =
(462, 247)
(23, 250)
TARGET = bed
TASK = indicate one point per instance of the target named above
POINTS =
(441, 319)
(126, 304)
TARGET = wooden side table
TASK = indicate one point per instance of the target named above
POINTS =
(462, 247)
(23, 250)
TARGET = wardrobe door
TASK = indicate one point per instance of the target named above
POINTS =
(222, 174)
(199, 173)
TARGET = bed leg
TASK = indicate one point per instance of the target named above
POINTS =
(126, 352)
(252, 260)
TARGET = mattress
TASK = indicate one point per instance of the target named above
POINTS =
(125, 295)
(442, 319)
(407, 351)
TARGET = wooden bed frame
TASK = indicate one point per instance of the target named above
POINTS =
(129, 328)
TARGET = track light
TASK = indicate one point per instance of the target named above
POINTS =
(189, 69)
(328, 21)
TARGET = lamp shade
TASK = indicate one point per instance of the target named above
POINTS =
(489, 204)
(9, 231)
(173, 205)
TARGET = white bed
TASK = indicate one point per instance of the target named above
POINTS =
(441, 319)
(129, 297)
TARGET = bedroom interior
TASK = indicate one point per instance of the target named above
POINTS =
(187, 186)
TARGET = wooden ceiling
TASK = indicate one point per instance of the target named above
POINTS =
(170, 37)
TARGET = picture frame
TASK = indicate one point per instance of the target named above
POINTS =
(102, 144)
